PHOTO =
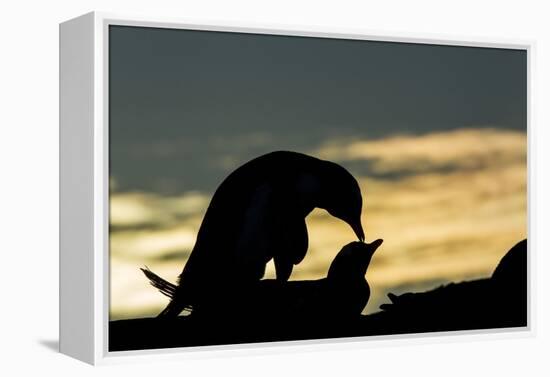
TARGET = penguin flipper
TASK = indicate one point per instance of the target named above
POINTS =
(253, 249)
(283, 268)
(292, 244)
(272, 228)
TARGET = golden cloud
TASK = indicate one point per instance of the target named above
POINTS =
(139, 209)
(466, 148)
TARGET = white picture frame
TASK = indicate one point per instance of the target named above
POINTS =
(84, 191)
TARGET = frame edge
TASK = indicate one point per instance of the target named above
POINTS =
(76, 213)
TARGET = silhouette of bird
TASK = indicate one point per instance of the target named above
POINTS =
(343, 293)
(258, 214)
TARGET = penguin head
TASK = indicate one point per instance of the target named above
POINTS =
(352, 261)
(341, 197)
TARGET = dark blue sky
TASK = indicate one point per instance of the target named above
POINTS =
(186, 107)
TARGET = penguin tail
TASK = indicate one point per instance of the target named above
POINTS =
(165, 287)
(175, 307)
(172, 310)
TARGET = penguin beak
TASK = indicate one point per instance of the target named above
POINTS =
(358, 229)
(371, 248)
(375, 245)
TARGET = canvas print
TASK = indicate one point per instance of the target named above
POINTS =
(270, 188)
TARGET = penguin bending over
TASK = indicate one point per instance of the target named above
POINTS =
(258, 214)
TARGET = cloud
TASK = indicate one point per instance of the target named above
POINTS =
(150, 244)
(142, 209)
(465, 148)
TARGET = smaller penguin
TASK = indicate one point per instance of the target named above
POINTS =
(343, 293)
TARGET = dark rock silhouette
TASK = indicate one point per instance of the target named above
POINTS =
(499, 301)
(509, 281)
(256, 214)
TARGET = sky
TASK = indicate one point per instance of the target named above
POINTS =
(435, 135)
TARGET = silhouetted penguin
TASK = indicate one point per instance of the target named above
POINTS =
(256, 214)
(344, 292)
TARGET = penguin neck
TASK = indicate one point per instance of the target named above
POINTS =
(342, 274)
(351, 280)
